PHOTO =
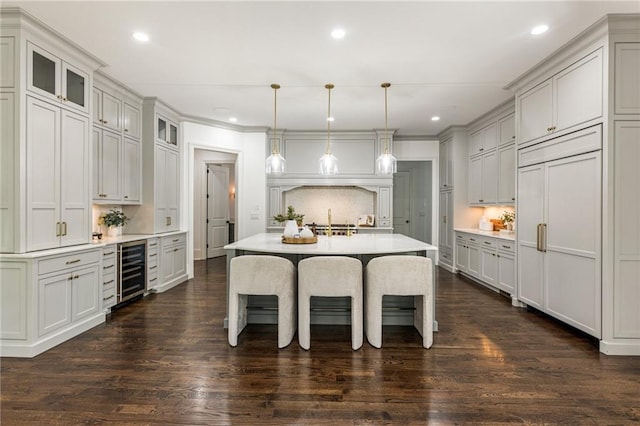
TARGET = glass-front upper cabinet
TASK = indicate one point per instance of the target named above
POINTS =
(167, 131)
(53, 78)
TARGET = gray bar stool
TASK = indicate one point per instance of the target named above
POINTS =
(262, 275)
(329, 276)
(399, 276)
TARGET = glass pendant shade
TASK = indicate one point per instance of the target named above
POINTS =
(275, 164)
(328, 164)
(386, 164)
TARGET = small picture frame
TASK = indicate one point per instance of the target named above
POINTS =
(366, 220)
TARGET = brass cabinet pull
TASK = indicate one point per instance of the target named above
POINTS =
(107, 282)
(64, 224)
(57, 229)
(541, 241)
(107, 267)
(70, 262)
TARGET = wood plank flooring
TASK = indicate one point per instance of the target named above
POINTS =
(165, 360)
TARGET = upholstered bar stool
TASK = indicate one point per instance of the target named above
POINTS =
(399, 276)
(329, 276)
(262, 275)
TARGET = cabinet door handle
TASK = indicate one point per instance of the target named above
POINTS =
(107, 282)
(75, 277)
(541, 241)
(107, 267)
(154, 254)
(507, 247)
(487, 242)
(481, 149)
(444, 219)
(108, 254)
(176, 240)
(481, 201)
(153, 267)
(126, 130)
(70, 262)
(104, 299)
(59, 97)
(175, 249)
(57, 229)
(126, 196)
(152, 279)
(105, 121)
(64, 225)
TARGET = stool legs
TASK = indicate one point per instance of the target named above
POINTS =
(237, 308)
(356, 321)
(374, 317)
(304, 319)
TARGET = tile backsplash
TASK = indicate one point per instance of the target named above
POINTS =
(346, 203)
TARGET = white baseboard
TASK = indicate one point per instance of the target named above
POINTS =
(626, 347)
(171, 284)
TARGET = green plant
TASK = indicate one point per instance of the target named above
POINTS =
(508, 217)
(291, 215)
(113, 218)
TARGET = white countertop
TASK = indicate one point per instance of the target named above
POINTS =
(337, 244)
(94, 244)
(494, 234)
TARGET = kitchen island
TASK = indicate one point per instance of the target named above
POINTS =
(398, 310)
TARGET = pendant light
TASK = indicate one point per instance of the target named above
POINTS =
(328, 162)
(386, 164)
(275, 164)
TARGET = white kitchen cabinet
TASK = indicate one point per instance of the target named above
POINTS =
(507, 130)
(506, 174)
(446, 221)
(15, 290)
(483, 179)
(107, 166)
(167, 131)
(107, 110)
(52, 78)
(384, 207)
(152, 263)
(626, 288)
(446, 164)
(132, 172)
(561, 103)
(462, 253)
(275, 205)
(132, 120)
(70, 293)
(559, 232)
(109, 276)
(166, 184)
(506, 268)
(173, 261)
(488, 261)
(468, 255)
(57, 144)
(159, 210)
(483, 140)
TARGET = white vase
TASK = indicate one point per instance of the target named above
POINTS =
(290, 228)
(114, 231)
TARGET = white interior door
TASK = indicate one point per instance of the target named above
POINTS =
(402, 203)
(217, 210)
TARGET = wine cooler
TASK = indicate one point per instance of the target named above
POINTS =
(131, 263)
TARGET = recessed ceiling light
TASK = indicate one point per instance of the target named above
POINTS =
(435, 118)
(338, 33)
(330, 119)
(539, 29)
(140, 36)
(233, 119)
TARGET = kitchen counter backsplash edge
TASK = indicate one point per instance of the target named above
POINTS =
(493, 234)
(95, 244)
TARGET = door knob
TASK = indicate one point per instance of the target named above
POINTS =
(407, 221)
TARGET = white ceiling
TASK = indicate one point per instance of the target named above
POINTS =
(217, 59)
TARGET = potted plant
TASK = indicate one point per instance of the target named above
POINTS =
(114, 220)
(293, 221)
(508, 218)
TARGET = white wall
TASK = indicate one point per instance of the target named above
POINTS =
(424, 150)
(250, 178)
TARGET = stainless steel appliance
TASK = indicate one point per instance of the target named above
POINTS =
(132, 269)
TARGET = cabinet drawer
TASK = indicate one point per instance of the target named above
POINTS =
(152, 279)
(506, 246)
(68, 261)
(152, 244)
(152, 267)
(174, 239)
(109, 285)
(108, 298)
(488, 242)
(384, 223)
(108, 265)
(471, 239)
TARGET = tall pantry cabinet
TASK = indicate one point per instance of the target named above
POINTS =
(45, 157)
(161, 146)
(453, 210)
(578, 208)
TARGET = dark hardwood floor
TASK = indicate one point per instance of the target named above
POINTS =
(165, 360)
